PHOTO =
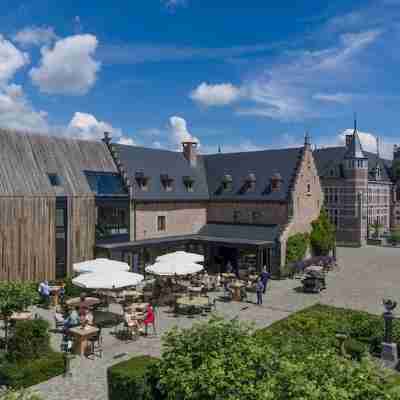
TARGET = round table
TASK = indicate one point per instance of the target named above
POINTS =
(236, 286)
(187, 301)
(89, 302)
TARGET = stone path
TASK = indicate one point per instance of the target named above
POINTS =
(365, 276)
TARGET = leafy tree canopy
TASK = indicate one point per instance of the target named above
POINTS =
(322, 235)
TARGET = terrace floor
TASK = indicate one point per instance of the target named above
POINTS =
(364, 277)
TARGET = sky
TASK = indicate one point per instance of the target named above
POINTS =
(240, 75)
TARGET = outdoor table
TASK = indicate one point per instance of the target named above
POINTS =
(55, 291)
(316, 268)
(89, 302)
(197, 301)
(21, 316)
(196, 290)
(81, 336)
(132, 293)
(236, 286)
(228, 275)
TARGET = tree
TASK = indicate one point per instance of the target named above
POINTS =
(322, 235)
(16, 297)
(296, 247)
(218, 360)
(376, 228)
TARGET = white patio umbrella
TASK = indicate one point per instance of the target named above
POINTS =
(100, 265)
(108, 281)
(181, 257)
(167, 268)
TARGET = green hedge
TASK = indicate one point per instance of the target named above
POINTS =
(133, 379)
(315, 327)
(28, 373)
(296, 247)
(29, 341)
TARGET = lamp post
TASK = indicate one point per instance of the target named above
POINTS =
(389, 349)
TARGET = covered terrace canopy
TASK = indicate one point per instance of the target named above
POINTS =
(212, 235)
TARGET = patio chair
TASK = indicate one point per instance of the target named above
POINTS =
(96, 344)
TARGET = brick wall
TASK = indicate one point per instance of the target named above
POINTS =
(181, 219)
(248, 212)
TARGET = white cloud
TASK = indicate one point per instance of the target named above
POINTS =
(35, 36)
(15, 110)
(341, 98)
(69, 67)
(286, 89)
(179, 132)
(86, 126)
(126, 140)
(215, 95)
(11, 59)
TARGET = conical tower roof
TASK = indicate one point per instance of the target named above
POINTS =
(354, 149)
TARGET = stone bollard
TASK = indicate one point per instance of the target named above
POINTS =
(389, 353)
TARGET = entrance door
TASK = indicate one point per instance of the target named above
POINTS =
(61, 242)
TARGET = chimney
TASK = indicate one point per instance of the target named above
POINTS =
(349, 139)
(107, 138)
(190, 152)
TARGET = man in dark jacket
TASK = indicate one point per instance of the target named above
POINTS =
(265, 275)
(259, 291)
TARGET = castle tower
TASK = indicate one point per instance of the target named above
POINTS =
(356, 175)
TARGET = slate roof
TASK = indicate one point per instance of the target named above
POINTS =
(27, 159)
(153, 163)
(263, 164)
(240, 232)
(333, 156)
(354, 149)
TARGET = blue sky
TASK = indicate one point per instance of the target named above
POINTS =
(243, 75)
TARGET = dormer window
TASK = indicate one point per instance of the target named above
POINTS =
(227, 183)
(142, 180)
(188, 181)
(54, 179)
(275, 181)
(250, 182)
(167, 182)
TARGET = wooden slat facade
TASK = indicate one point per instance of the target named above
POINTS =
(27, 238)
(81, 230)
(28, 201)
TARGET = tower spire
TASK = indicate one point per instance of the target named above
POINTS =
(219, 149)
(355, 122)
(378, 146)
(307, 139)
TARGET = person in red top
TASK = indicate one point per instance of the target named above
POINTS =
(150, 319)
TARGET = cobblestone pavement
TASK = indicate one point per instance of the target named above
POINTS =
(365, 276)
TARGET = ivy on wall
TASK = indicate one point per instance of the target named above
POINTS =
(296, 247)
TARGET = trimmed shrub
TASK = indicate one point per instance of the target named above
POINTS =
(355, 349)
(296, 247)
(28, 373)
(133, 379)
(30, 340)
(322, 237)
(20, 395)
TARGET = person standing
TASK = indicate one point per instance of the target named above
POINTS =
(44, 291)
(259, 291)
(265, 275)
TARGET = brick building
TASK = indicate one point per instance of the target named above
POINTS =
(359, 190)
(92, 198)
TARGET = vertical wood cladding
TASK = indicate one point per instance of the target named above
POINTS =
(81, 229)
(27, 238)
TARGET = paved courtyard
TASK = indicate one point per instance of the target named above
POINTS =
(364, 277)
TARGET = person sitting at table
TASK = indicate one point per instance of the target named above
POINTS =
(59, 318)
(73, 319)
(132, 323)
(44, 291)
(150, 319)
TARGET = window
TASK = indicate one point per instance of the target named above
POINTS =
(308, 188)
(161, 223)
(54, 179)
(255, 216)
(188, 181)
(60, 217)
(105, 182)
(236, 216)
